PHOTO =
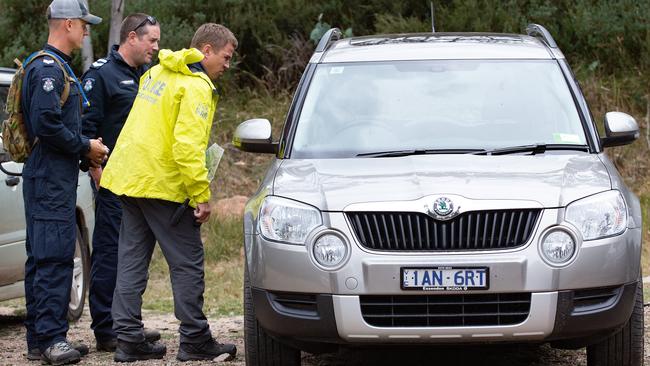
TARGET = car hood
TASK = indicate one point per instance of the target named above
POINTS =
(553, 180)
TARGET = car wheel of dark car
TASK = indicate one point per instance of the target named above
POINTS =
(80, 278)
(625, 347)
(261, 348)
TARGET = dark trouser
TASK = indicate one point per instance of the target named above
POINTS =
(108, 216)
(145, 221)
(50, 244)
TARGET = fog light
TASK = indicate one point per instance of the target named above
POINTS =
(558, 246)
(330, 250)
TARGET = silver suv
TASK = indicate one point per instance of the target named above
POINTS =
(12, 226)
(443, 188)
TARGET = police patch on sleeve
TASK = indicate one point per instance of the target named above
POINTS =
(88, 84)
(48, 84)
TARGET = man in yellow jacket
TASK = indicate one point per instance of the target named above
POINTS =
(157, 165)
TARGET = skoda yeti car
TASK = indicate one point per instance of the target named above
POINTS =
(12, 225)
(437, 189)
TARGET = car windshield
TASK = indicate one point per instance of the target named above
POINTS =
(437, 105)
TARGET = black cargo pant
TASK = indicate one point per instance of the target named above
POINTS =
(145, 221)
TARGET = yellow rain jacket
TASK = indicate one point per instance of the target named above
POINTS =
(160, 152)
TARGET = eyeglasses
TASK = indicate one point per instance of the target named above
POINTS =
(149, 19)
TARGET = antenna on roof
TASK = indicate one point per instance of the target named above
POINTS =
(433, 26)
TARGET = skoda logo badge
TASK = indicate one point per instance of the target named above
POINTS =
(443, 206)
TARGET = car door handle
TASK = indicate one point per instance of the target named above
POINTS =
(12, 181)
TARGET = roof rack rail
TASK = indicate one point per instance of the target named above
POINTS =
(332, 35)
(536, 30)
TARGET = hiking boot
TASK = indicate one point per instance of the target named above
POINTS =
(110, 344)
(151, 335)
(130, 352)
(34, 354)
(60, 353)
(208, 350)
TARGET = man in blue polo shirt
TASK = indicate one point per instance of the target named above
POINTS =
(111, 85)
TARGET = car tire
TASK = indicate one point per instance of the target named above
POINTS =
(80, 278)
(260, 348)
(625, 347)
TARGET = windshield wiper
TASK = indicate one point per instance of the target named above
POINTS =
(533, 149)
(397, 153)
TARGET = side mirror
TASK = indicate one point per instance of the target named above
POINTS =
(620, 129)
(254, 135)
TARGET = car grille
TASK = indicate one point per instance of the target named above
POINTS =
(412, 231)
(445, 310)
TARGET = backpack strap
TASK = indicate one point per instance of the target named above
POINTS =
(66, 85)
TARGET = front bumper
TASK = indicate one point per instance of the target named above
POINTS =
(564, 318)
(605, 263)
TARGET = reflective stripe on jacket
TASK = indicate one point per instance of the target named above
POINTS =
(160, 152)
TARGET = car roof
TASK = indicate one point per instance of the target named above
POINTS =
(437, 46)
(6, 74)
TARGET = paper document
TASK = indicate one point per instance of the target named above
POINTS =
(212, 158)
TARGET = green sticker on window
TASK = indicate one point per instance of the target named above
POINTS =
(566, 138)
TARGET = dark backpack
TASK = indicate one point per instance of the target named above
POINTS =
(14, 132)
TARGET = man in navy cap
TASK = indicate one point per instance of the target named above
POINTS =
(111, 84)
(52, 99)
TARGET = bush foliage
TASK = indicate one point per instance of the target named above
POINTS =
(610, 37)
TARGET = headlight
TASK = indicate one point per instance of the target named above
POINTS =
(330, 250)
(558, 246)
(598, 216)
(287, 221)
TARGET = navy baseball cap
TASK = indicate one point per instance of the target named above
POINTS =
(71, 9)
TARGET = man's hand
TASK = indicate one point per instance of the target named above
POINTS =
(96, 174)
(98, 153)
(202, 212)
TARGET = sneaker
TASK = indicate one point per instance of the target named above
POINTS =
(110, 344)
(208, 350)
(130, 352)
(60, 353)
(34, 354)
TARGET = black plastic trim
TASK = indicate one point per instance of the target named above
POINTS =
(621, 140)
(259, 147)
(297, 327)
(576, 329)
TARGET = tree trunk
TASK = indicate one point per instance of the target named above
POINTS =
(87, 56)
(117, 15)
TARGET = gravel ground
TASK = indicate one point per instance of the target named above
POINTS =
(230, 329)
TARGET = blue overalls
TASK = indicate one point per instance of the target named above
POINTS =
(111, 85)
(50, 193)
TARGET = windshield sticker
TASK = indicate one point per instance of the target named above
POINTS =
(568, 138)
(336, 70)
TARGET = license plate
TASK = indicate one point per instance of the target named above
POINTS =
(445, 278)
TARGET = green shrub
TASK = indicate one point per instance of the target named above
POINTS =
(612, 36)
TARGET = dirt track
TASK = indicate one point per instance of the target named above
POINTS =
(12, 347)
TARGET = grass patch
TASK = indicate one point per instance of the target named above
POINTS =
(223, 238)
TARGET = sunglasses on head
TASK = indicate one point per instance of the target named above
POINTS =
(149, 19)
